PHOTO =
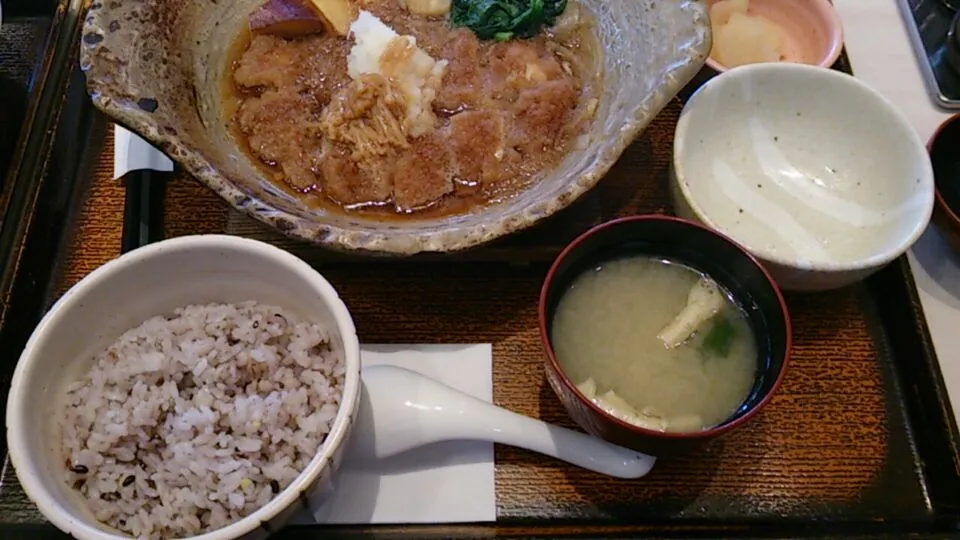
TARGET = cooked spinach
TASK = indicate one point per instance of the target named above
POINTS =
(719, 339)
(505, 19)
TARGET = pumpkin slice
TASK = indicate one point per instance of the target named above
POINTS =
(337, 14)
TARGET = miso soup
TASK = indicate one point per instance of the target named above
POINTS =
(655, 343)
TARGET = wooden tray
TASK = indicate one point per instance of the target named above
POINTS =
(860, 440)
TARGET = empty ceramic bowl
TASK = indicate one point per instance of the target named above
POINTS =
(157, 67)
(752, 290)
(810, 31)
(813, 171)
(154, 281)
(946, 171)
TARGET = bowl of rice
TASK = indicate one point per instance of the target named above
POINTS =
(199, 387)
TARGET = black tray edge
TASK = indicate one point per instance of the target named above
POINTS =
(929, 409)
(45, 180)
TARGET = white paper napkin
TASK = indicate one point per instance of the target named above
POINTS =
(446, 483)
(131, 153)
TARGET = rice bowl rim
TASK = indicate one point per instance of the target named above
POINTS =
(22, 455)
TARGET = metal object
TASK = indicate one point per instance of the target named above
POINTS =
(929, 24)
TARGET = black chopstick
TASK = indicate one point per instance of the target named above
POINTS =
(143, 208)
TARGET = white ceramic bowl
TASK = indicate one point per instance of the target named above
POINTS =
(123, 293)
(811, 170)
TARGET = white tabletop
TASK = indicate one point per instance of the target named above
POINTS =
(881, 55)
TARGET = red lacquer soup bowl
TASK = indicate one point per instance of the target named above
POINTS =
(704, 250)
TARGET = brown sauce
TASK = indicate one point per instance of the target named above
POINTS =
(507, 112)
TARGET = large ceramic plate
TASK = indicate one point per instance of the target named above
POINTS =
(156, 67)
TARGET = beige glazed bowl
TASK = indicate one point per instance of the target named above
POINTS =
(156, 68)
(812, 171)
(120, 295)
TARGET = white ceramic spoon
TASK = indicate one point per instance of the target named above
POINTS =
(401, 410)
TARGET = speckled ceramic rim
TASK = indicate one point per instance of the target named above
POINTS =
(828, 77)
(834, 33)
(649, 433)
(449, 237)
(941, 203)
(22, 458)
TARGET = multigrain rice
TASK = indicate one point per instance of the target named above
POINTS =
(187, 423)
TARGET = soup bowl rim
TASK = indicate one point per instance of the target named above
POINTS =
(723, 427)
(951, 214)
